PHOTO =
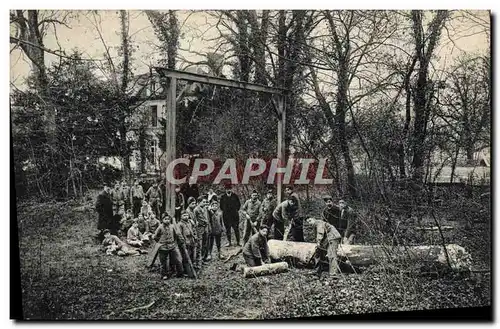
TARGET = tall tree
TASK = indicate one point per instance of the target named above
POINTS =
(350, 54)
(166, 28)
(28, 30)
(425, 42)
(466, 103)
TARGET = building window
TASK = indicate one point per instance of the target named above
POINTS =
(154, 115)
(153, 87)
(153, 149)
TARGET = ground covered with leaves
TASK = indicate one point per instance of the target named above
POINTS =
(65, 276)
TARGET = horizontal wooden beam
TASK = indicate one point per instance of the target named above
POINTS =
(188, 76)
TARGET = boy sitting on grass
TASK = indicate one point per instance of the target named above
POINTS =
(152, 224)
(113, 245)
(145, 209)
(134, 236)
(126, 221)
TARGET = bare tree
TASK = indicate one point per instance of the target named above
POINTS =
(466, 104)
(349, 52)
(29, 27)
(425, 42)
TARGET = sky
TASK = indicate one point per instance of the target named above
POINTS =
(196, 31)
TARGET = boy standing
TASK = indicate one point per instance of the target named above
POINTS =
(137, 195)
(186, 229)
(217, 227)
(179, 203)
(154, 195)
(167, 236)
(202, 230)
(251, 211)
(266, 209)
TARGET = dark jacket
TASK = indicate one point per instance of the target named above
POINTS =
(168, 236)
(286, 213)
(179, 200)
(201, 217)
(154, 193)
(256, 247)
(137, 192)
(230, 205)
(190, 190)
(252, 208)
(152, 225)
(343, 222)
(267, 207)
(216, 223)
(126, 193)
(104, 207)
(187, 231)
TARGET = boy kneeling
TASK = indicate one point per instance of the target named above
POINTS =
(327, 241)
(256, 250)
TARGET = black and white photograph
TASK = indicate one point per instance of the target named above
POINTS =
(250, 164)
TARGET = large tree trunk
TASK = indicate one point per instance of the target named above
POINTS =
(340, 113)
(424, 48)
(365, 255)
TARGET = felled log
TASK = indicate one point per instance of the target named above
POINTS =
(265, 269)
(365, 255)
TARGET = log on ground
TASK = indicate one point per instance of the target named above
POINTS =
(365, 255)
(265, 269)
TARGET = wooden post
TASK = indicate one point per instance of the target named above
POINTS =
(170, 144)
(281, 144)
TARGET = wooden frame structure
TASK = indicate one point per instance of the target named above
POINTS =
(171, 109)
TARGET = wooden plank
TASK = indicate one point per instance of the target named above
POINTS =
(281, 146)
(188, 76)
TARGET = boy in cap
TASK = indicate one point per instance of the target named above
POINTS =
(285, 214)
(155, 198)
(216, 228)
(202, 230)
(255, 250)
(266, 209)
(168, 239)
(137, 195)
(251, 211)
(342, 217)
(179, 203)
(327, 241)
(187, 230)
